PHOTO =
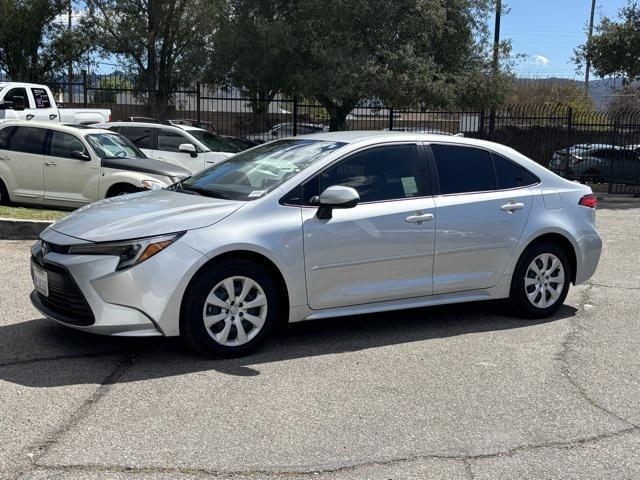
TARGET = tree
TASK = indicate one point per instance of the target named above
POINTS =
(252, 48)
(614, 49)
(163, 41)
(398, 52)
(626, 99)
(31, 37)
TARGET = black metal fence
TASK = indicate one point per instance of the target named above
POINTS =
(599, 148)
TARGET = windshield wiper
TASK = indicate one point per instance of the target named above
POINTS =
(207, 192)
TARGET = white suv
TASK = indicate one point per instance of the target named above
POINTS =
(189, 147)
(72, 165)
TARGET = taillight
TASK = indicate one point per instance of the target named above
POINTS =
(589, 201)
(110, 118)
(576, 160)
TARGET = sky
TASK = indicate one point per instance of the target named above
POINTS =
(547, 31)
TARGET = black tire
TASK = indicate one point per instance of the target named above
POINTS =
(591, 177)
(518, 296)
(192, 327)
(4, 194)
(122, 189)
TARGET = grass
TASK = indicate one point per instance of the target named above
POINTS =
(28, 213)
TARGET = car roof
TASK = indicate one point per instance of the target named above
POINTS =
(61, 127)
(143, 124)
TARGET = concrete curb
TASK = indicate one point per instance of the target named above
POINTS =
(13, 229)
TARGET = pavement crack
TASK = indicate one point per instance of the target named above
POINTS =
(576, 330)
(603, 285)
(36, 452)
(31, 361)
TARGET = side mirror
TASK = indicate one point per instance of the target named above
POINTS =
(18, 103)
(188, 148)
(80, 155)
(336, 196)
(274, 132)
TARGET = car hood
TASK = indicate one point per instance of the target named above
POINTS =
(146, 165)
(144, 214)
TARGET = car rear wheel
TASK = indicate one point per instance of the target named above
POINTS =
(4, 195)
(230, 309)
(540, 281)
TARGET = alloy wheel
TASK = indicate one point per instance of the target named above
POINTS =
(235, 311)
(544, 280)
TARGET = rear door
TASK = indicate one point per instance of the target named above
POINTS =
(380, 250)
(482, 209)
(69, 181)
(25, 160)
(44, 109)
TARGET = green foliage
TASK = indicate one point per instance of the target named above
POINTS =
(112, 86)
(551, 93)
(614, 49)
(31, 41)
(164, 41)
(400, 51)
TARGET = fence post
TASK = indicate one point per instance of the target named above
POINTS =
(198, 96)
(84, 88)
(492, 122)
(481, 123)
(295, 115)
(614, 134)
(391, 119)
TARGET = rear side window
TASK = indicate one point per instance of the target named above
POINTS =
(463, 169)
(141, 137)
(41, 98)
(63, 144)
(508, 174)
(391, 172)
(28, 140)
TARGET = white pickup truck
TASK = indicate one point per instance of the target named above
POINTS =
(29, 101)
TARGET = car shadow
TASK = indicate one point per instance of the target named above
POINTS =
(84, 354)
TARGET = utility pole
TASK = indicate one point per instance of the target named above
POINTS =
(70, 69)
(496, 63)
(496, 38)
(588, 65)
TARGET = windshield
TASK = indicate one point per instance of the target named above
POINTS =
(253, 173)
(113, 145)
(214, 142)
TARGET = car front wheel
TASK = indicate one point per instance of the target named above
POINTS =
(540, 281)
(230, 309)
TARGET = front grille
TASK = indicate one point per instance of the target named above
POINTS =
(65, 297)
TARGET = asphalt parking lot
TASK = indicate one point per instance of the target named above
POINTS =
(454, 392)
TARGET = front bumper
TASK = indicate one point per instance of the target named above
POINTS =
(140, 301)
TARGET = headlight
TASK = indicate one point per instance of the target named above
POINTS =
(131, 252)
(152, 185)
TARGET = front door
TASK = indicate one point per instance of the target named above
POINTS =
(168, 150)
(69, 181)
(383, 248)
(482, 212)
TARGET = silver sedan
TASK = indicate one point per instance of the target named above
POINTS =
(326, 225)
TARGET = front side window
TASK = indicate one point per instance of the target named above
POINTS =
(64, 144)
(28, 140)
(215, 143)
(170, 141)
(113, 145)
(140, 136)
(253, 173)
(463, 169)
(41, 97)
(390, 172)
(5, 134)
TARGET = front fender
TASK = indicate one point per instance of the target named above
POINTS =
(111, 177)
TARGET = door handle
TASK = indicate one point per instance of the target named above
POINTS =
(2, 157)
(512, 207)
(53, 116)
(50, 164)
(30, 116)
(425, 217)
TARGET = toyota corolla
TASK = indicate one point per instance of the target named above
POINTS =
(326, 225)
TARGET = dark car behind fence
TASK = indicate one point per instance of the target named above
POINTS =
(551, 135)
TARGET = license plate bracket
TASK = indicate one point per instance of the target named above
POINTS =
(40, 280)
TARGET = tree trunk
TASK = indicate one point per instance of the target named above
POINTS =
(338, 112)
